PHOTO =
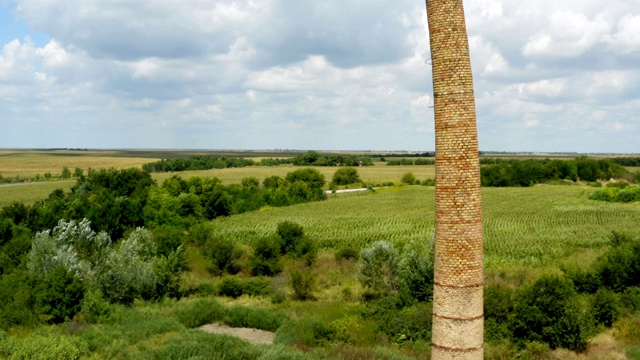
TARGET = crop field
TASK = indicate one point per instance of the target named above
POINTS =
(28, 193)
(523, 226)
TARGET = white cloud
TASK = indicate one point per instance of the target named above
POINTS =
(555, 75)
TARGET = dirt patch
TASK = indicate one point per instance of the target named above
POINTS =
(253, 336)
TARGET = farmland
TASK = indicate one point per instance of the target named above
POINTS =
(555, 223)
(528, 232)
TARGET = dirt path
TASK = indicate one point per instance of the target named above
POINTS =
(253, 336)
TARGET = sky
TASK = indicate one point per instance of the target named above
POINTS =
(550, 76)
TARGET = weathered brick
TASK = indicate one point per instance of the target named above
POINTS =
(458, 294)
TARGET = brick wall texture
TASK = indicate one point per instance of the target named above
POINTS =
(458, 292)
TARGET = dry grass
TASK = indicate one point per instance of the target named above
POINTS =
(28, 163)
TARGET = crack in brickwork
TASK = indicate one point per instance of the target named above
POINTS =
(458, 320)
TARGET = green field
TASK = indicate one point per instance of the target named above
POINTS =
(523, 226)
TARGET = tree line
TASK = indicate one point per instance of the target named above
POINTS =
(511, 172)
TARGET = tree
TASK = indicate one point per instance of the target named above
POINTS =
(66, 173)
(345, 176)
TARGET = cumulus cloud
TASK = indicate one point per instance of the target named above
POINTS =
(549, 75)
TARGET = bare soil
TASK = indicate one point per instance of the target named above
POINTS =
(254, 336)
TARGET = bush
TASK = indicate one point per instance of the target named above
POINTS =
(595, 184)
(290, 233)
(409, 324)
(308, 331)
(301, 282)
(224, 256)
(429, 182)
(602, 195)
(408, 178)
(59, 295)
(379, 268)
(198, 312)
(605, 309)
(415, 269)
(235, 287)
(266, 258)
(345, 176)
(93, 306)
(348, 253)
(619, 268)
(547, 311)
(230, 286)
(625, 196)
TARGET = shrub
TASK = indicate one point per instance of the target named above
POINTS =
(224, 256)
(595, 184)
(409, 324)
(547, 311)
(59, 295)
(240, 316)
(290, 233)
(308, 331)
(429, 182)
(345, 176)
(266, 257)
(602, 195)
(605, 309)
(631, 298)
(301, 282)
(257, 286)
(584, 281)
(93, 306)
(347, 253)
(379, 268)
(625, 196)
(619, 268)
(231, 286)
(408, 178)
(415, 269)
(199, 312)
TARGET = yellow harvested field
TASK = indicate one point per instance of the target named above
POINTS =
(25, 163)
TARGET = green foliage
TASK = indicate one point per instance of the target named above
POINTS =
(379, 268)
(266, 257)
(347, 253)
(547, 311)
(429, 182)
(224, 255)
(198, 312)
(415, 269)
(308, 331)
(302, 282)
(167, 239)
(241, 316)
(619, 268)
(290, 234)
(498, 312)
(93, 307)
(59, 295)
(408, 178)
(43, 345)
(17, 300)
(345, 176)
(314, 158)
(408, 324)
(66, 173)
(231, 286)
(257, 286)
(196, 163)
(605, 308)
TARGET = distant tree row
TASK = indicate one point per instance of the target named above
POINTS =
(313, 158)
(196, 163)
(411, 162)
(627, 161)
(509, 172)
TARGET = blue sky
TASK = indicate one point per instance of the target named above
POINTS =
(332, 75)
